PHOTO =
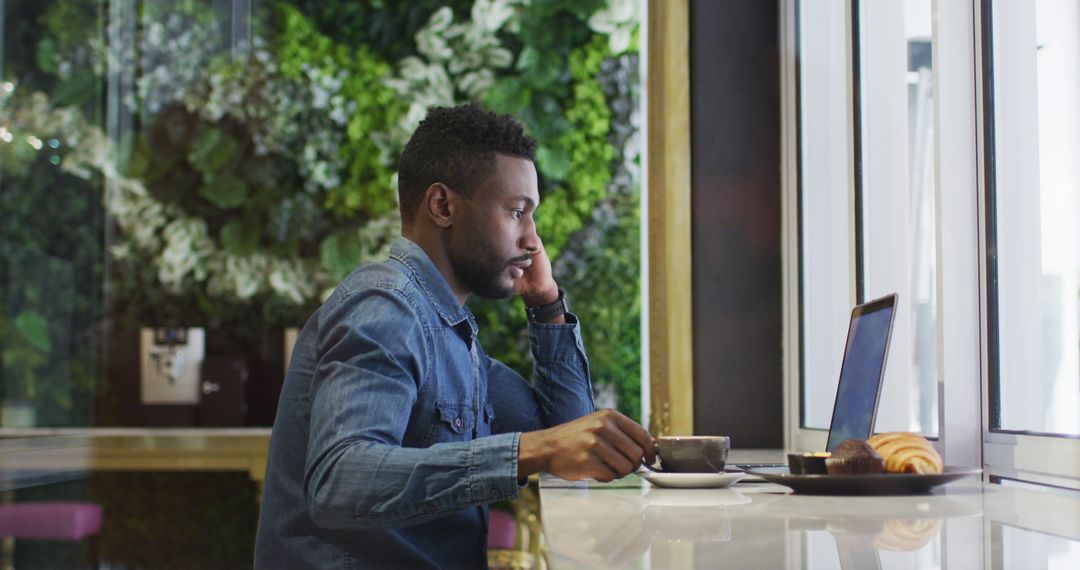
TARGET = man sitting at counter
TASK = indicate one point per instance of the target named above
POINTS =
(394, 428)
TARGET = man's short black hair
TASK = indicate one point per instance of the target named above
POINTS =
(456, 146)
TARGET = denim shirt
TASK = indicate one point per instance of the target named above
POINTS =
(394, 429)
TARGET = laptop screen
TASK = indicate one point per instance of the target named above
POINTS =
(862, 371)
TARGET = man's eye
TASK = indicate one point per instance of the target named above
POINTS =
(518, 214)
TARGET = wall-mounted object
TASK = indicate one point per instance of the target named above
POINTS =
(223, 390)
(170, 362)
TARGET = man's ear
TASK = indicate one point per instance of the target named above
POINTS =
(439, 205)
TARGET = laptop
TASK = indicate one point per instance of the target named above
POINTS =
(861, 375)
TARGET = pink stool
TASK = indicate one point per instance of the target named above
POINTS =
(61, 520)
(502, 529)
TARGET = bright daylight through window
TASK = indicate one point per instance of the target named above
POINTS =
(896, 193)
(898, 202)
(1035, 379)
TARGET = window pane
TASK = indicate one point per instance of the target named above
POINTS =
(1022, 548)
(897, 98)
(825, 204)
(1036, 84)
(51, 219)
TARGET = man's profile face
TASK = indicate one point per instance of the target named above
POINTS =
(490, 242)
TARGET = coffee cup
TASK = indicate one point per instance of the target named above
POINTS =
(693, 453)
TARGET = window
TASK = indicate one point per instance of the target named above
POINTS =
(875, 234)
(1033, 208)
(963, 196)
(824, 169)
(1022, 548)
(896, 195)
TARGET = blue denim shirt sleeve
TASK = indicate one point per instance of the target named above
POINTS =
(560, 391)
(357, 474)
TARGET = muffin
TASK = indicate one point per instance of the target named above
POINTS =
(906, 452)
(808, 463)
(854, 457)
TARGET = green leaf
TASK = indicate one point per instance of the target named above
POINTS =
(508, 96)
(81, 86)
(34, 329)
(241, 236)
(528, 59)
(545, 71)
(224, 190)
(46, 56)
(139, 163)
(341, 252)
(553, 162)
(212, 151)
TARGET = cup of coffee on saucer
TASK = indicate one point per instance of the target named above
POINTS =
(692, 453)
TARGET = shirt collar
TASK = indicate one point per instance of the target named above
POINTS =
(432, 283)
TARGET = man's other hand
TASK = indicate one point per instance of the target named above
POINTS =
(603, 445)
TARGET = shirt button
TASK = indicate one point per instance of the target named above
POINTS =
(494, 494)
(457, 422)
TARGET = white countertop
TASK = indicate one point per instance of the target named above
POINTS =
(965, 524)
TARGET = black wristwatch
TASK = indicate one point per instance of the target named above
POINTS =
(545, 313)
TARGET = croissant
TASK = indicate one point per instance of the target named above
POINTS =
(901, 535)
(906, 452)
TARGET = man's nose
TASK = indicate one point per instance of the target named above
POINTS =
(530, 242)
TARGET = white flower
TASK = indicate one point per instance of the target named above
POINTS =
(430, 40)
(617, 20)
(186, 245)
(491, 15)
(499, 57)
(339, 115)
(143, 223)
(120, 251)
(319, 97)
(238, 277)
(288, 280)
(474, 83)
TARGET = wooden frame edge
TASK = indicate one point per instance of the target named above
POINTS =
(670, 275)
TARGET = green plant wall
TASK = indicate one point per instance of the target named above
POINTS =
(249, 173)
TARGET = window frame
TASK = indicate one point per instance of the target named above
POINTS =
(796, 435)
(1047, 458)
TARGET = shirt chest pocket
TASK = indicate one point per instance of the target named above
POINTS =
(453, 421)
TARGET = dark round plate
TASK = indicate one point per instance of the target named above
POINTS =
(871, 484)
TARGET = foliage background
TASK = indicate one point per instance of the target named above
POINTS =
(250, 173)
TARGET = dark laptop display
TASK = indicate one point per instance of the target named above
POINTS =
(862, 371)
(861, 374)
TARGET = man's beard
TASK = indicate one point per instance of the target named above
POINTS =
(480, 269)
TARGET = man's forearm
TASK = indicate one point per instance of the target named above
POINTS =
(561, 371)
(348, 487)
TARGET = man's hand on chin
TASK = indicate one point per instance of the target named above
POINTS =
(536, 286)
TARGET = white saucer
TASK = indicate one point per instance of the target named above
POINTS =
(691, 480)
